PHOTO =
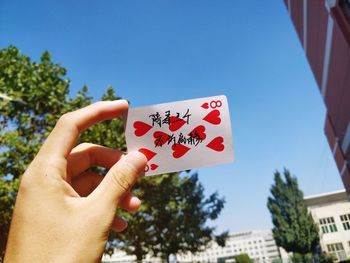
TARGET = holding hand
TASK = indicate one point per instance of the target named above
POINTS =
(62, 212)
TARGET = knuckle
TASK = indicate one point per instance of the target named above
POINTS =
(122, 183)
(84, 145)
(124, 179)
(99, 113)
(99, 103)
(65, 119)
(25, 184)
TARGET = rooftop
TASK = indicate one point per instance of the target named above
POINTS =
(326, 198)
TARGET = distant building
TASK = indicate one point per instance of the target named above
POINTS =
(118, 256)
(323, 28)
(332, 213)
(259, 245)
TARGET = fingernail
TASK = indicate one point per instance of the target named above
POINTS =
(137, 160)
(135, 204)
(136, 201)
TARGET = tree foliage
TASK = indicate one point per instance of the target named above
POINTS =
(242, 258)
(174, 212)
(174, 219)
(294, 228)
(327, 258)
(23, 126)
(305, 258)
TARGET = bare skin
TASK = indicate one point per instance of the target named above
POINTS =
(62, 212)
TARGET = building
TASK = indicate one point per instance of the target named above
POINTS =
(323, 28)
(259, 245)
(118, 256)
(332, 213)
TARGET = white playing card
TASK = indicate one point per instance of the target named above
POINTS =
(181, 135)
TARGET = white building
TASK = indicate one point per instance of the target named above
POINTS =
(118, 256)
(259, 245)
(332, 213)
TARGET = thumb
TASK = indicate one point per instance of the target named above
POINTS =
(120, 178)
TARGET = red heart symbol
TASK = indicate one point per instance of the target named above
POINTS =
(141, 128)
(217, 144)
(205, 105)
(179, 150)
(160, 138)
(213, 117)
(198, 132)
(148, 153)
(154, 166)
(175, 123)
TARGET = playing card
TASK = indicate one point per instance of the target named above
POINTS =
(181, 135)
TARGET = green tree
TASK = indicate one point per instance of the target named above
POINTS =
(327, 258)
(40, 92)
(296, 258)
(40, 95)
(242, 258)
(23, 126)
(174, 219)
(294, 228)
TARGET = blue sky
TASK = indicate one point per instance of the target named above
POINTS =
(161, 50)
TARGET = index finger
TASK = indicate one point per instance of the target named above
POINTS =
(63, 137)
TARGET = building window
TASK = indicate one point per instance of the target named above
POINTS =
(337, 250)
(328, 225)
(345, 219)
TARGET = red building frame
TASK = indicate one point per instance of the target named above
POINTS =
(323, 28)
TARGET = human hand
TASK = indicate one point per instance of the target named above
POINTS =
(62, 212)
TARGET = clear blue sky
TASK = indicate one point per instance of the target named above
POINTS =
(161, 50)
